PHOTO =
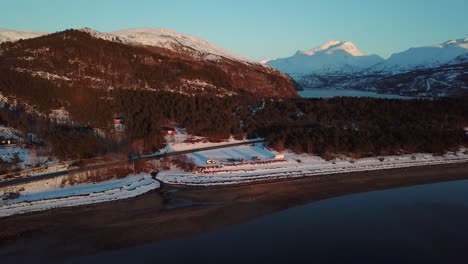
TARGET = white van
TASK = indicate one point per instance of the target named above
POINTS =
(279, 156)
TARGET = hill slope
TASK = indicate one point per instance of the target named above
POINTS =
(15, 35)
(175, 41)
(77, 58)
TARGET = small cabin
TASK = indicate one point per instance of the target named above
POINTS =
(119, 124)
(60, 116)
(8, 141)
(168, 131)
(119, 120)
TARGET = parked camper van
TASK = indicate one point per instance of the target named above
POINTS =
(279, 156)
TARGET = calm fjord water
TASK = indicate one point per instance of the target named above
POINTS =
(332, 92)
(421, 224)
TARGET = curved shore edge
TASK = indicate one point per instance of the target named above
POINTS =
(289, 172)
(146, 219)
(136, 185)
(84, 194)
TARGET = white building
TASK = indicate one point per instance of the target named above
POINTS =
(60, 116)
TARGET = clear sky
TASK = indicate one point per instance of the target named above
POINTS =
(258, 29)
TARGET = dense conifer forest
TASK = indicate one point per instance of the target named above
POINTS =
(96, 80)
(350, 126)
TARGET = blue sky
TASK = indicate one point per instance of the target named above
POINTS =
(258, 29)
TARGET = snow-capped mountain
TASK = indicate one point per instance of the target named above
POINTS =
(439, 70)
(333, 56)
(173, 40)
(423, 57)
(160, 61)
(108, 36)
(157, 37)
(14, 35)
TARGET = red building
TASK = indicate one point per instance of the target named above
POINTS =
(169, 131)
(119, 124)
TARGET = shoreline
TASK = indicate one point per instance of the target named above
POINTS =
(32, 206)
(296, 166)
(146, 218)
(286, 173)
(254, 181)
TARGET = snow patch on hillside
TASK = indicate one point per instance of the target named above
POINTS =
(108, 36)
(265, 61)
(173, 40)
(9, 132)
(43, 75)
(15, 35)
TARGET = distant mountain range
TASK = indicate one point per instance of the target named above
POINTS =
(439, 70)
(424, 57)
(15, 35)
(333, 56)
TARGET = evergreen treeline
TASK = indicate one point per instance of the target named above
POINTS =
(351, 126)
(362, 126)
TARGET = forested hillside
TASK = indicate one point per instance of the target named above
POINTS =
(96, 80)
(362, 126)
(77, 60)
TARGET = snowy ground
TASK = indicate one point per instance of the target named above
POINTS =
(28, 159)
(224, 155)
(182, 141)
(9, 132)
(265, 167)
(39, 199)
(28, 163)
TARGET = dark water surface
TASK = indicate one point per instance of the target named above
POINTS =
(333, 92)
(422, 224)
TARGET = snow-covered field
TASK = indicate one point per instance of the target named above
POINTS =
(37, 199)
(225, 156)
(25, 162)
(265, 167)
(182, 141)
(28, 163)
(28, 158)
